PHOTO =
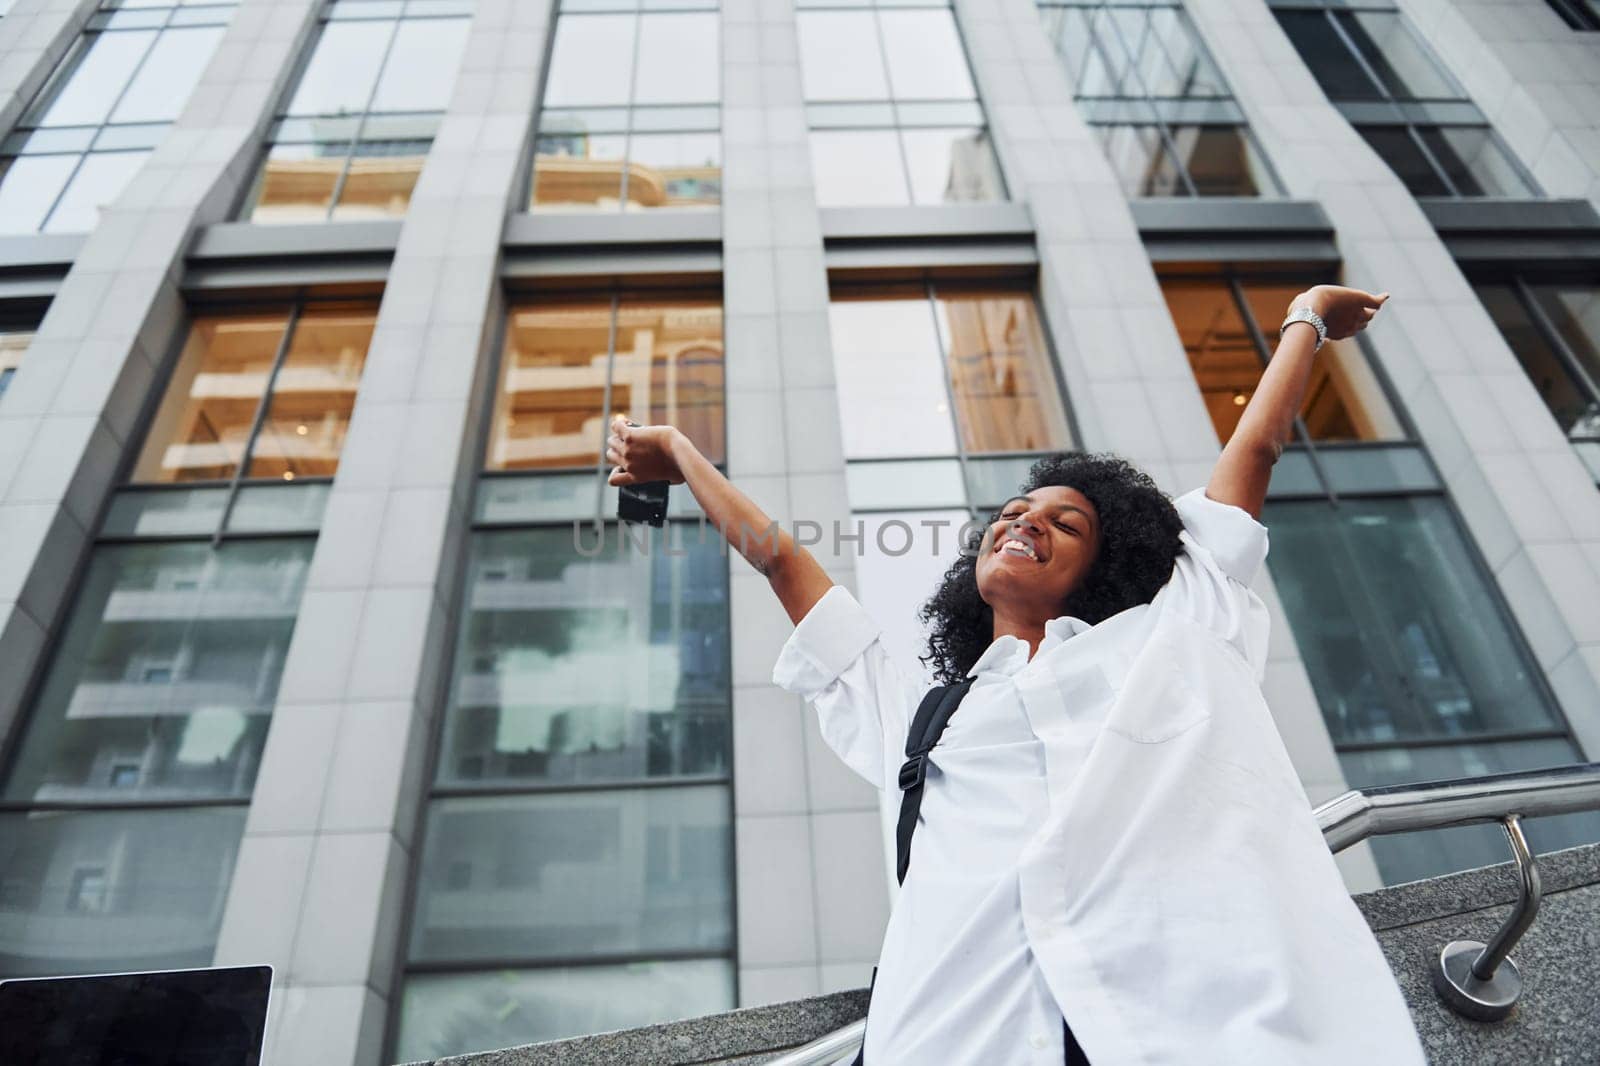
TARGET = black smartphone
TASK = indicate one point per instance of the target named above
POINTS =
(644, 502)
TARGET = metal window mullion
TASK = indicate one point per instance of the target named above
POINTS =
(627, 161)
(1433, 161)
(962, 459)
(361, 122)
(260, 416)
(894, 108)
(1543, 323)
(529, 962)
(1355, 51)
(605, 413)
(1168, 144)
(44, 220)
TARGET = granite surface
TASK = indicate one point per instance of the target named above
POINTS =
(737, 1037)
(1557, 1022)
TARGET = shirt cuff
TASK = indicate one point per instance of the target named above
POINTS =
(831, 636)
(1235, 540)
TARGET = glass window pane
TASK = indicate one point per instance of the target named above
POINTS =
(1395, 145)
(668, 368)
(166, 673)
(12, 345)
(296, 182)
(1398, 57)
(98, 182)
(592, 61)
(168, 76)
(1334, 66)
(1344, 400)
(1189, 71)
(576, 873)
(116, 891)
(200, 432)
(574, 669)
(84, 94)
(421, 69)
(1147, 72)
(951, 166)
(1140, 158)
(1396, 624)
(674, 170)
(577, 170)
(858, 168)
(453, 1014)
(905, 483)
(1412, 856)
(1068, 29)
(840, 56)
(1574, 311)
(313, 394)
(1106, 65)
(1222, 161)
(679, 59)
(886, 357)
(1221, 352)
(894, 587)
(1575, 407)
(1474, 161)
(29, 186)
(381, 177)
(926, 60)
(552, 386)
(343, 69)
(1001, 376)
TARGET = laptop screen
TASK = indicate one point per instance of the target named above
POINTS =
(213, 1017)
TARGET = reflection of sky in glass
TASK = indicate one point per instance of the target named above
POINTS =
(886, 358)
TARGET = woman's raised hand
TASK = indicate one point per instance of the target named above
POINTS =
(642, 453)
(1344, 311)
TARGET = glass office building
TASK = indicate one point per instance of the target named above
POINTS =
(320, 645)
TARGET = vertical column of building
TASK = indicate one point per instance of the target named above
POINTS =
(75, 401)
(34, 35)
(813, 898)
(1535, 77)
(1128, 379)
(1523, 492)
(321, 879)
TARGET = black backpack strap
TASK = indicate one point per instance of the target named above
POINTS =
(926, 728)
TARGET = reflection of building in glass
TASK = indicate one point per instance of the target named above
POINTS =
(666, 367)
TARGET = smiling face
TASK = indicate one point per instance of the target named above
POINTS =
(1037, 552)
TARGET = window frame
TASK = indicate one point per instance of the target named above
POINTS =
(101, 21)
(529, 177)
(296, 303)
(1408, 113)
(1158, 117)
(831, 115)
(340, 12)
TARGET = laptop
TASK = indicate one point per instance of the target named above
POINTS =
(210, 1017)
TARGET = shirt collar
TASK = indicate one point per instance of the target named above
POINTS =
(1009, 654)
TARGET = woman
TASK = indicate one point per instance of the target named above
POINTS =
(1115, 862)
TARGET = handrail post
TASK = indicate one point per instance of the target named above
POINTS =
(1479, 980)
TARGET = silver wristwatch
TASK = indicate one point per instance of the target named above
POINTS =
(1305, 314)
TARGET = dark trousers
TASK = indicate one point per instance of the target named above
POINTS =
(1075, 1055)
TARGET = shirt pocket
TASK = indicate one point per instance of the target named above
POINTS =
(1154, 702)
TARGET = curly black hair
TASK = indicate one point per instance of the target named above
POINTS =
(1138, 546)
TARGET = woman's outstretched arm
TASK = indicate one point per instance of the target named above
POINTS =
(1241, 474)
(663, 453)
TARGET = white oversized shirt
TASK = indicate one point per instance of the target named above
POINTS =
(1111, 833)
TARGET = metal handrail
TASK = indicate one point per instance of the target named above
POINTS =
(1477, 980)
(1368, 812)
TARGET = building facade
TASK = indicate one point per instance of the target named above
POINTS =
(312, 313)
